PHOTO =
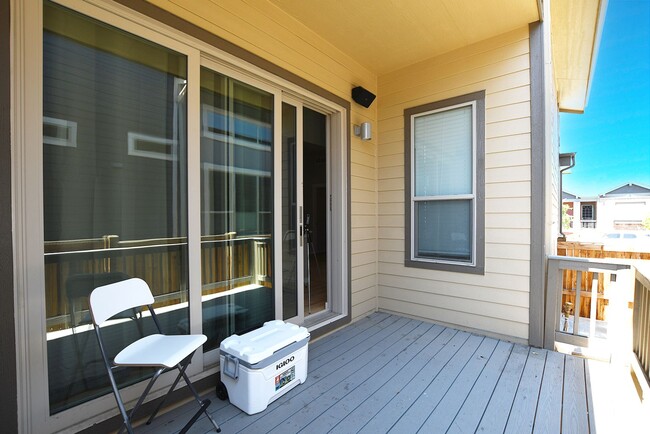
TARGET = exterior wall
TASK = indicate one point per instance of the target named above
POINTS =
(497, 302)
(271, 34)
(8, 383)
(611, 214)
(622, 213)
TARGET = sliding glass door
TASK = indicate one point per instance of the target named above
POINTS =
(114, 190)
(236, 202)
(160, 162)
(305, 212)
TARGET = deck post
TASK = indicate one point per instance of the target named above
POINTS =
(553, 301)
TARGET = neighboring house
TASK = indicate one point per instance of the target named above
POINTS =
(569, 209)
(191, 143)
(622, 209)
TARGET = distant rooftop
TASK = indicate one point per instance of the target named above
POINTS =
(628, 189)
(567, 195)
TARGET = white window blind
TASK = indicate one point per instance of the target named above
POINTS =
(443, 153)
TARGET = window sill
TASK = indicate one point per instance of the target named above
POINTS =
(445, 266)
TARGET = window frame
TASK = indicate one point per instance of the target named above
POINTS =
(70, 128)
(133, 139)
(477, 264)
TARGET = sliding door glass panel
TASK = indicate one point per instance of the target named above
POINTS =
(290, 233)
(114, 191)
(316, 209)
(236, 206)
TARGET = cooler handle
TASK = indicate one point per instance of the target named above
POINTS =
(231, 366)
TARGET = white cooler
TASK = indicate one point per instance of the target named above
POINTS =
(259, 367)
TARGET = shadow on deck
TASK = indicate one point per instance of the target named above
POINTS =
(387, 373)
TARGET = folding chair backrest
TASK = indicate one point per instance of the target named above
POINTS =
(109, 300)
(78, 288)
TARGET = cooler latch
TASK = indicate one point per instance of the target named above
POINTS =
(231, 366)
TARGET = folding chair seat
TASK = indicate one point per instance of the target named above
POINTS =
(163, 352)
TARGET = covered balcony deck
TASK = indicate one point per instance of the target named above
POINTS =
(387, 373)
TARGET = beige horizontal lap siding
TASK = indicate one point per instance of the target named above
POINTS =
(266, 31)
(496, 302)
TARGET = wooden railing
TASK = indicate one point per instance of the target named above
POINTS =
(630, 290)
(578, 326)
(227, 262)
(594, 251)
(641, 328)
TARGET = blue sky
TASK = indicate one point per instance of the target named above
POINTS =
(612, 137)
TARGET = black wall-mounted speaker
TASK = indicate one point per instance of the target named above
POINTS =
(363, 96)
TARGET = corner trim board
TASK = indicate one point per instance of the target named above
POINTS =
(537, 227)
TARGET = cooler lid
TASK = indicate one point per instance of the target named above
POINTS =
(259, 344)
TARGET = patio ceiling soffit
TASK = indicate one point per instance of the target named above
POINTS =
(386, 35)
(576, 26)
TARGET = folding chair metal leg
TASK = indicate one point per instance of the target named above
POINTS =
(116, 390)
(125, 416)
(144, 395)
(181, 367)
(128, 416)
(203, 404)
(80, 366)
(198, 398)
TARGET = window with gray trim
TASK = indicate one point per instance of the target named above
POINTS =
(587, 212)
(445, 184)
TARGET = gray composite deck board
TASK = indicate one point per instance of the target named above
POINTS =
(391, 387)
(574, 412)
(476, 401)
(445, 411)
(413, 419)
(317, 399)
(352, 355)
(399, 369)
(522, 414)
(394, 410)
(590, 397)
(387, 373)
(549, 409)
(498, 409)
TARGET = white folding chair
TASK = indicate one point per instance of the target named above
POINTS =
(163, 352)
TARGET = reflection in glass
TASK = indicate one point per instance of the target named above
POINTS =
(236, 206)
(316, 204)
(289, 231)
(114, 191)
(444, 229)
